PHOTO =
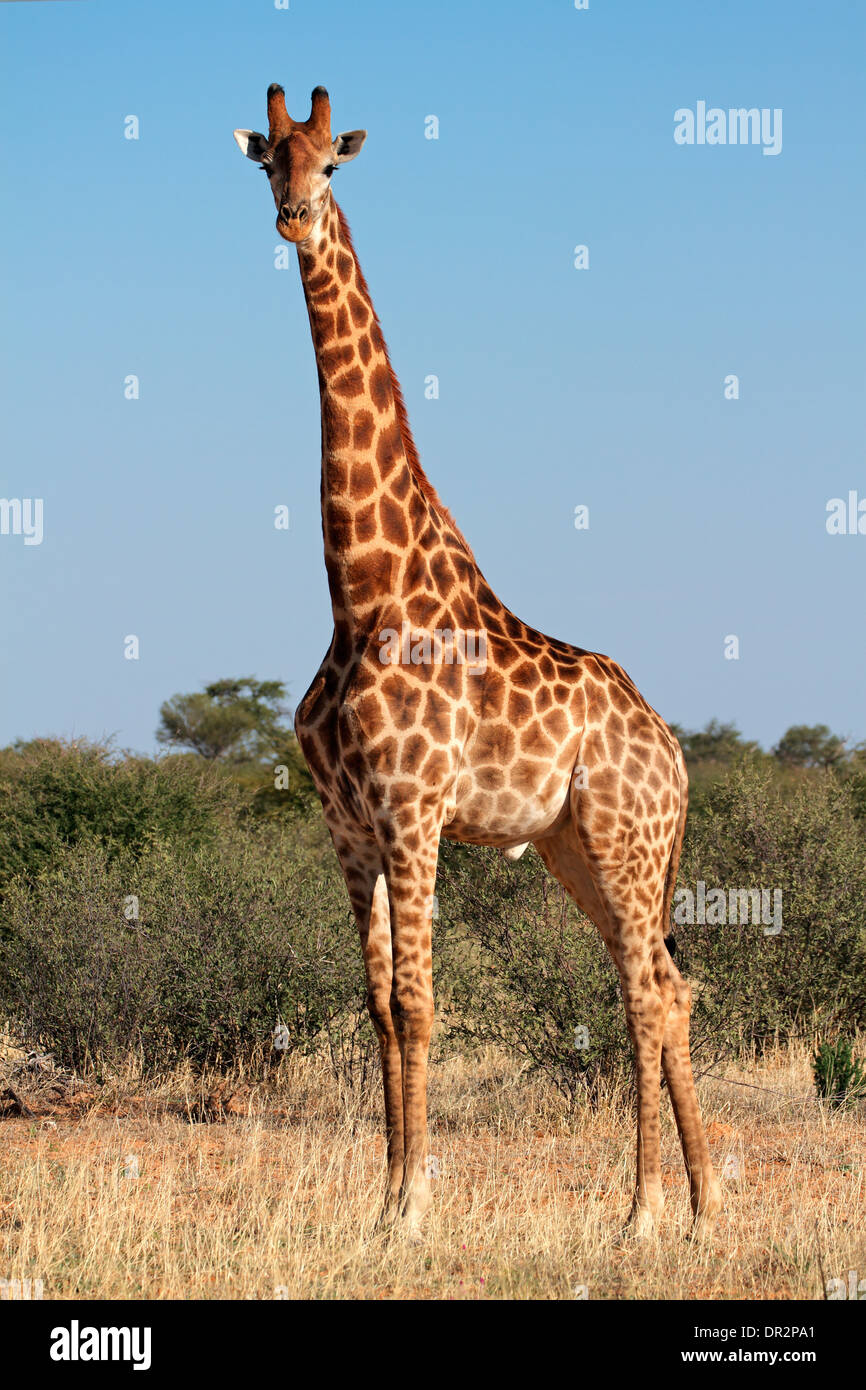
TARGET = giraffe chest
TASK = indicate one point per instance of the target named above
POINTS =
(376, 737)
(386, 742)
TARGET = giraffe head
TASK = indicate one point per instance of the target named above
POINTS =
(299, 158)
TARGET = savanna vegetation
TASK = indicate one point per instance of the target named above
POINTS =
(180, 907)
(161, 917)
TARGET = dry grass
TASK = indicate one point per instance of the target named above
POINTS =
(279, 1196)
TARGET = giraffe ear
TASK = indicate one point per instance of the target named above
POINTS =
(251, 143)
(347, 145)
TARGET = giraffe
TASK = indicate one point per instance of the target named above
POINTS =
(414, 731)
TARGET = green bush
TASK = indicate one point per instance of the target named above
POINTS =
(244, 918)
(55, 794)
(224, 943)
(805, 841)
(518, 965)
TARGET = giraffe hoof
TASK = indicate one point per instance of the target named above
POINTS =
(415, 1207)
(703, 1227)
(413, 1233)
(389, 1214)
(708, 1204)
(640, 1225)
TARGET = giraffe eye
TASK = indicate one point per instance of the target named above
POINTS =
(264, 168)
(328, 170)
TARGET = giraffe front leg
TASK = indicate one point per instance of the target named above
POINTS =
(379, 968)
(362, 869)
(411, 876)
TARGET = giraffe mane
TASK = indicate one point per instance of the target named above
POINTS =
(409, 447)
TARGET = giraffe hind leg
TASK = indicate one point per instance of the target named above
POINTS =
(706, 1195)
(646, 1006)
(657, 1003)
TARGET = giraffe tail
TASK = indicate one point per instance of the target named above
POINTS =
(676, 849)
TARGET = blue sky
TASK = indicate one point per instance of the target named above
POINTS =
(558, 387)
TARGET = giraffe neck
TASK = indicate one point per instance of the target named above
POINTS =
(377, 505)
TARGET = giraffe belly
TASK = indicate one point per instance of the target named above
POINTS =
(504, 815)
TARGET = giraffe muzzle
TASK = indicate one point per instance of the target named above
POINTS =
(294, 224)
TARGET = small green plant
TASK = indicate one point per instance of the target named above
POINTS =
(839, 1077)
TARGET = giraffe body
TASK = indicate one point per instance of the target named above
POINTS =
(436, 712)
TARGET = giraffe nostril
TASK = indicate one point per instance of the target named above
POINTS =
(290, 214)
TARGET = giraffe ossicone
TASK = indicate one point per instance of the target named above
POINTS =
(547, 744)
